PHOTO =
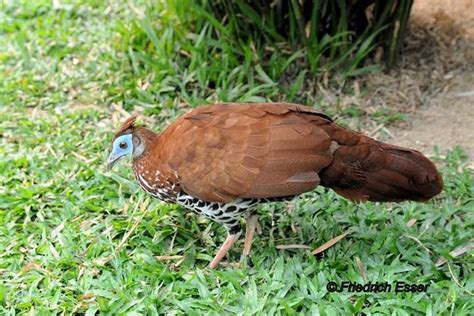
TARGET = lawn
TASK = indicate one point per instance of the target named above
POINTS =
(77, 239)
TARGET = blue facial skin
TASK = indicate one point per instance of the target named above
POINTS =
(122, 147)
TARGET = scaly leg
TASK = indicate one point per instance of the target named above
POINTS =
(230, 240)
(251, 226)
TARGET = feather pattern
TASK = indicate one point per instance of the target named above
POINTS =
(222, 160)
(227, 151)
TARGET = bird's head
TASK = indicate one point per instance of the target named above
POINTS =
(127, 142)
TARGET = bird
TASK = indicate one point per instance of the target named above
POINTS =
(221, 161)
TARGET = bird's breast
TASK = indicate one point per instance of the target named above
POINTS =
(155, 183)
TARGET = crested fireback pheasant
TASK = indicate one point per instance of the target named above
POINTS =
(221, 161)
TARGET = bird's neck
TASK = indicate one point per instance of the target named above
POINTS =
(151, 146)
(152, 169)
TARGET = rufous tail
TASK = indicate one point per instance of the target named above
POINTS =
(365, 169)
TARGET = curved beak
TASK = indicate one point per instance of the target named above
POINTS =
(113, 159)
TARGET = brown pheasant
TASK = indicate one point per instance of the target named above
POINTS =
(221, 161)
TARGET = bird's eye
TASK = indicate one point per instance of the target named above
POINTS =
(123, 145)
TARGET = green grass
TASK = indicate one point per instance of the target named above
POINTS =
(75, 239)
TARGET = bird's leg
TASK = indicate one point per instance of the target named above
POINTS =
(230, 240)
(251, 226)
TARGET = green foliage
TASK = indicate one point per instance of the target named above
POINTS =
(75, 239)
(343, 31)
(242, 51)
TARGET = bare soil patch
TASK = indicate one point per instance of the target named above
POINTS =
(446, 121)
(434, 82)
(446, 117)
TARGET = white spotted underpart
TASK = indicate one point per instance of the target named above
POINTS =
(227, 214)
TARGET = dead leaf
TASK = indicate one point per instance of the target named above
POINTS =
(236, 265)
(54, 252)
(307, 29)
(57, 230)
(456, 253)
(356, 88)
(165, 258)
(411, 222)
(362, 269)
(292, 246)
(419, 243)
(329, 244)
(86, 296)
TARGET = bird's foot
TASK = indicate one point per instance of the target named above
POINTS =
(230, 240)
(251, 228)
(252, 225)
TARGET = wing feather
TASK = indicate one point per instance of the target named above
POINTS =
(249, 151)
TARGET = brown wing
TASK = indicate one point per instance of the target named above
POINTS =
(223, 152)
